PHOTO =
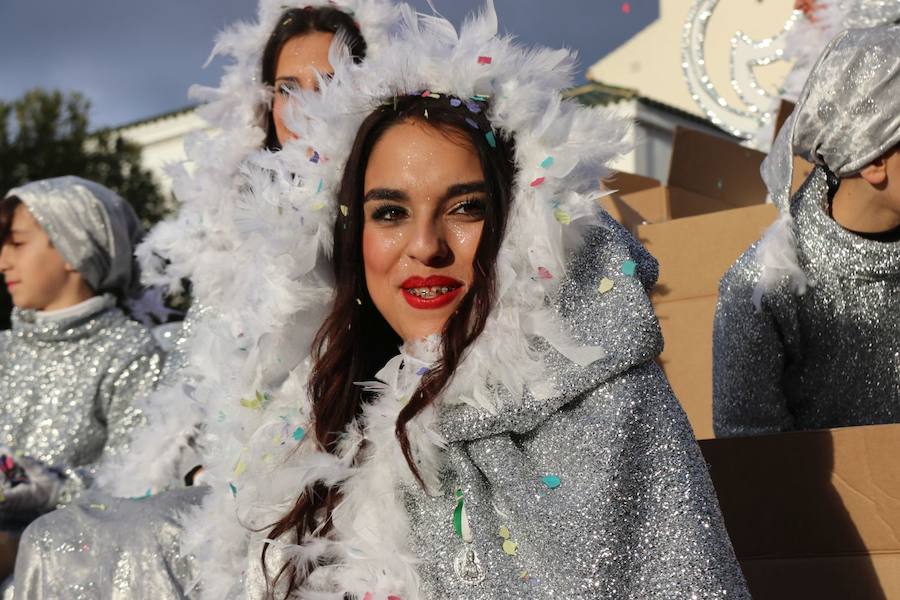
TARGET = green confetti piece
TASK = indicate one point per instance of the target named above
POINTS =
(320, 186)
(547, 162)
(562, 216)
(298, 434)
(233, 489)
(629, 267)
(491, 140)
(256, 403)
(457, 514)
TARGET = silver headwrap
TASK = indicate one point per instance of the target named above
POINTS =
(93, 228)
(848, 115)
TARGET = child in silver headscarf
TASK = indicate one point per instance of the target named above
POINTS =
(73, 362)
(806, 333)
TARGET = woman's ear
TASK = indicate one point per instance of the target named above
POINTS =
(875, 173)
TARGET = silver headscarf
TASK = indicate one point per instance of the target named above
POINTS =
(848, 115)
(93, 228)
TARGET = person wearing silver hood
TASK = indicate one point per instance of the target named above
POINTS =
(73, 362)
(806, 333)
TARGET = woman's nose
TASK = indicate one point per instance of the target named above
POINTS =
(429, 246)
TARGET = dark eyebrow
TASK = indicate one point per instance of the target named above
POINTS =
(461, 189)
(385, 194)
(287, 78)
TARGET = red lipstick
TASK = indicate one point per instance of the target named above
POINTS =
(431, 292)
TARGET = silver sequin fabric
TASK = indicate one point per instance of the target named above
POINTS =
(827, 358)
(69, 388)
(107, 548)
(634, 514)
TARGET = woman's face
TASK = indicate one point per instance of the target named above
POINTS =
(35, 273)
(424, 204)
(301, 58)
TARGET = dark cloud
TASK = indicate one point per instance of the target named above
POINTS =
(137, 59)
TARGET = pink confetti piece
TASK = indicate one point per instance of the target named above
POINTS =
(543, 273)
(369, 596)
(626, 8)
(485, 60)
(537, 182)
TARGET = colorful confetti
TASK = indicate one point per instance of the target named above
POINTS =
(491, 140)
(320, 186)
(606, 284)
(510, 547)
(233, 489)
(345, 210)
(240, 467)
(298, 434)
(257, 402)
(485, 60)
(455, 102)
(422, 371)
(547, 162)
(314, 158)
(537, 182)
(543, 273)
(473, 106)
(629, 267)
(471, 122)
(562, 216)
(551, 481)
(626, 8)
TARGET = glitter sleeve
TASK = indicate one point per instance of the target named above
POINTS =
(748, 358)
(115, 406)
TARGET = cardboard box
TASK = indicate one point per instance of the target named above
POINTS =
(706, 174)
(693, 254)
(813, 514)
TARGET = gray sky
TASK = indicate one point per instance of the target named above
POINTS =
(137, 59)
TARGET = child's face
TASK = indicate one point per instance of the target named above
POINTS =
(35, 273)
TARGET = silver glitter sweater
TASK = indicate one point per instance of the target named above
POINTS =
(827, 358)
(599, 492)
(68, 388)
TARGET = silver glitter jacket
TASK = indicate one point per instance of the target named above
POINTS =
(634, 514)
(827, 358)
(68, 388)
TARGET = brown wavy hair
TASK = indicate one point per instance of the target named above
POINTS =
(355, 341)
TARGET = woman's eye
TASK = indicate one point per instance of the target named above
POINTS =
(473, 208)
(389, 213)
(286, 89)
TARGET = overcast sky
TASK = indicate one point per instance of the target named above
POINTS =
(135, 59)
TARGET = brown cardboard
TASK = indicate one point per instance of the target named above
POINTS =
(706, 174)
(813, 514)
(711, 167)
(693, 254)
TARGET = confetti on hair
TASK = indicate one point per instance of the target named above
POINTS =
(426, 113)
(629, 267)
(479, 97)
(455, 102)
(485, 60)
(422, 371)
(344, 210)
(491, 140)
(537, 182)
(551, 481)
(547, 162)
(471, 122)
(562, 216)
(358, 301)
(473, 106)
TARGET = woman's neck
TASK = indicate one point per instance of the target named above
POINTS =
(859, 207)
